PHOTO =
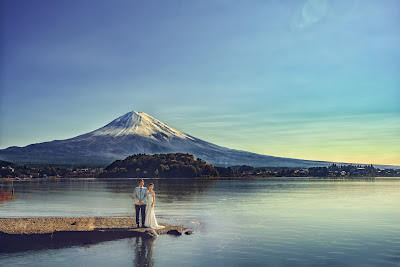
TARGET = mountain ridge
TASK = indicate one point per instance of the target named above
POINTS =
(134, 133)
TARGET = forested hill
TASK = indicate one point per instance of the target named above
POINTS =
(178, 165)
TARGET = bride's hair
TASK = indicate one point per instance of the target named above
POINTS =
(150, 184)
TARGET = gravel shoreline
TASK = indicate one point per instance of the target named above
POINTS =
(45, 225)
(21, 234)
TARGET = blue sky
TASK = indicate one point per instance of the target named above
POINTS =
(313, 79)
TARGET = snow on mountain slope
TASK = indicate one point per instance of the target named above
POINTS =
(141, 124)
(133, 133)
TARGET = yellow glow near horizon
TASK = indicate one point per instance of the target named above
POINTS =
(360, 139)
(338, 154)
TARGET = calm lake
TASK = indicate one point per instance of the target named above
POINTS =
(243, 222)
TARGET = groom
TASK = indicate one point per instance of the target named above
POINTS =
(140, 197)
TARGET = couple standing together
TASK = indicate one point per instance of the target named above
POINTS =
(144, 205)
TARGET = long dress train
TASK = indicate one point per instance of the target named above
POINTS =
(151, 220)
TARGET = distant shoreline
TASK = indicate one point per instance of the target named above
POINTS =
(195, 178)
(180, 165)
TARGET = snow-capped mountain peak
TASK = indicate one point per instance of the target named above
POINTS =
(140, 123)
(133, 133)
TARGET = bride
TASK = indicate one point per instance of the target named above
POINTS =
(150, 220)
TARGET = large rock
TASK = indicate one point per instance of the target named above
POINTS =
(174, 232)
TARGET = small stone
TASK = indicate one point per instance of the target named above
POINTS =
(190, 232)
(174, 232)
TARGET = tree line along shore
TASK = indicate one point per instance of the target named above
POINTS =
(180, 165)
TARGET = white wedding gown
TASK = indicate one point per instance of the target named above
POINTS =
(150, 220)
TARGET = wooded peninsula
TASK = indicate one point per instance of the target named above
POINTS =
(181, 165)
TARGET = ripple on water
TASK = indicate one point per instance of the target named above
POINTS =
(265, 222)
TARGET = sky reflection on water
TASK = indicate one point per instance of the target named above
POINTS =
(275, 222)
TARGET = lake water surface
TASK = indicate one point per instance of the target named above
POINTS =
(242, 222)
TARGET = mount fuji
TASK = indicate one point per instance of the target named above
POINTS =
(138, 132)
